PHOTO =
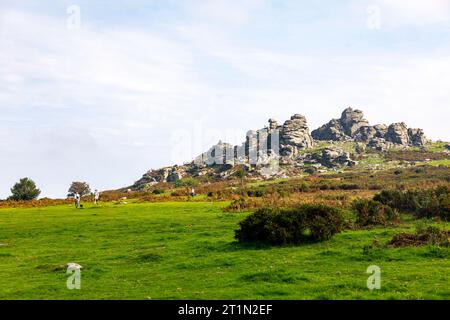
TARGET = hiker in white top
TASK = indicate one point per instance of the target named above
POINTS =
(77, 200)
(96, 196)
(193, 192)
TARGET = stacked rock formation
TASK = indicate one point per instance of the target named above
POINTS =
(288, 145)
(260, 145)
(342, 129)
(295, 136)
(353, 127)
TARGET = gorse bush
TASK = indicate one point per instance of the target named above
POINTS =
(185, 182)
(290, 226)
(423, 203)
(370, 212)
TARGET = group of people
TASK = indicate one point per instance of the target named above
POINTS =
(77, 198)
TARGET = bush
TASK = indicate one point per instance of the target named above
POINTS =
(424, 235)
(185, 182)
(370, 212)
(158, 191)
(391, 198)
(323, 221)
(24, 190)
(241, 204)
(255, 193)
(285, 226)
(423, 203)
(310, 170)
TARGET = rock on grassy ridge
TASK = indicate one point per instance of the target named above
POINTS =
(352, 126)
(289, 149)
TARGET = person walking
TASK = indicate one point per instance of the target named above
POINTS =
(77, 200)
(96, 196)
(193, 192)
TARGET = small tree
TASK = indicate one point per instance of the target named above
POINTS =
(25, 189)
(241, 174)
(82, 188)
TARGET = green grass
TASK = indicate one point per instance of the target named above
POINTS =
(443, 162)
(187, 251)
(438, 146)
(266, 182)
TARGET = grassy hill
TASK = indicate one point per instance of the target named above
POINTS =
(186, 250)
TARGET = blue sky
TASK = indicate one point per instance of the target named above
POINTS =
(145, 84)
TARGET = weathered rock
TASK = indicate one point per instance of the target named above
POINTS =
(286, 146)
(368, 133)
(417, 137)
(333, 131)
(174, 176)
(398, 133)
(352, 126)
(332, 157)
(295, 136)
(379, 144)
(365, 134)
(381, 130)
(273, 124)
(329, 155)
(344, 128)
(352, 120)
(221, 153)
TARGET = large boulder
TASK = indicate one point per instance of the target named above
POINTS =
(345, 128)
(417, 137)
(398, 133)
(352, 126)
(333, 130)
(368, 133)
(352, 121)
(379, 144)
(295, 136)
(334, 157)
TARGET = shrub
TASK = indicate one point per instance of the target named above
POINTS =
(392, 198)
(323, 221)
(425, 235)
(423, 203)
(185, 182)
(241, 204)
(370, 212)
(24, 190)
(158, 191)
(178, 193)
(297, 225)
(310, 170)
(255, 193)
(349, 186)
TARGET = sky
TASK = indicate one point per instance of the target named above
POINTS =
(102, 91)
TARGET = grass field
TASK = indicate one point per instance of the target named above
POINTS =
(187, 251)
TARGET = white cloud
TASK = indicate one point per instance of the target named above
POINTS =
(229, 12)
(415, 12)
